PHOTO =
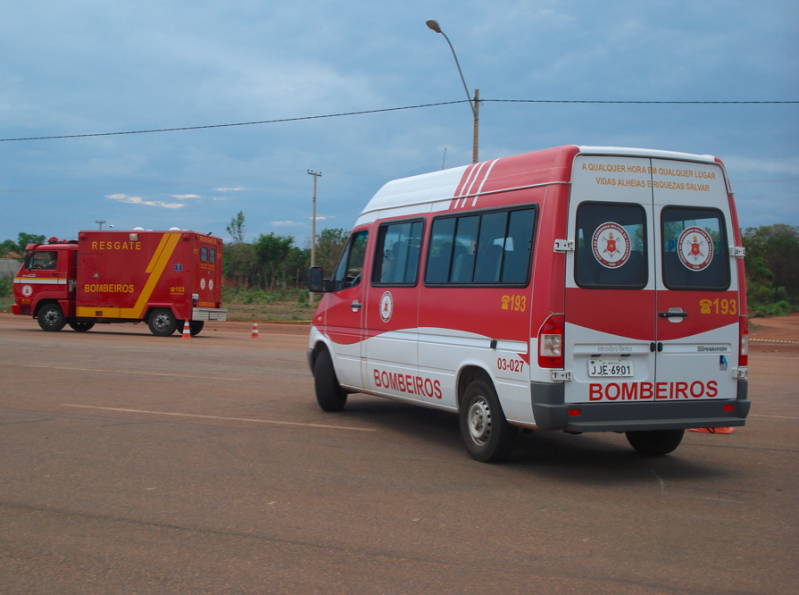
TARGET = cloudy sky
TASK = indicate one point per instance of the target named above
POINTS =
(92, 66)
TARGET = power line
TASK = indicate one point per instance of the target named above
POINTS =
(395, 109)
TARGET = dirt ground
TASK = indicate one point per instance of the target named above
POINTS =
(780, 334)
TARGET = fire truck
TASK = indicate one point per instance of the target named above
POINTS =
(161, 277)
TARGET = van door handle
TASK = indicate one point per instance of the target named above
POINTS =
(672, 314)
(356, 305)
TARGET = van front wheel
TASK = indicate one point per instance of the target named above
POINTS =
(329, 394)
(655, 442)
(485, 431)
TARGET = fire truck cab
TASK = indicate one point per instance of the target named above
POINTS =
(583, 289)
(163, 278)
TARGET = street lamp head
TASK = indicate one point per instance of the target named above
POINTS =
(433, 24)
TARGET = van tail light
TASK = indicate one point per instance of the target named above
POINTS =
(743, 332)
(550, 342)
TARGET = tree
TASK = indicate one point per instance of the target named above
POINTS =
(329, 246)
(296, 266)
(776, 247)
(8, 246)
(236, 228)
(239, 263)
(23, 239)
(271, 251)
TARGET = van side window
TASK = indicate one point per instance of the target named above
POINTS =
(46, 261)
(694, 249)
(485, 249)
(350, 267)
(212, 258)
(611, 246)
(397, 254)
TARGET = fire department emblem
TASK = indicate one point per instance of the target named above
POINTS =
(695, 248)
(386, 306)
(202, 284)
(210, 284)
(611, 245)
(27, 290)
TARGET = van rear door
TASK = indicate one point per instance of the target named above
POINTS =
(697, 287)
(652, 305)
(610, 329)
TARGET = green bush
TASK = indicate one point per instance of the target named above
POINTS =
(6, 287)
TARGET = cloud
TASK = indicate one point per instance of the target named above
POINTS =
(137, 200)
(237, 189)
(288, 224)
(185, 196)
(756, 165)
(220, 197)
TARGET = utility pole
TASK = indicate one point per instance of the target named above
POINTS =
(476, 110)
(101, 224)
(315, 175)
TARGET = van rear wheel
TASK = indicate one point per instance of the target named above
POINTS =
(51, 318)
(485, 431)
(655, 442)
(329, 394)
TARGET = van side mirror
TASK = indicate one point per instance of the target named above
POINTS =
(316, 280)
(27, 260)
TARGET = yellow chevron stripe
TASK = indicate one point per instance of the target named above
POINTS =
(157, 253)
(156, 268)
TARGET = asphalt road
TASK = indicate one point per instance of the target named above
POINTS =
(134, 464)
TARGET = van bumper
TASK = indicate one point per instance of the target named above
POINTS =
(551, 413)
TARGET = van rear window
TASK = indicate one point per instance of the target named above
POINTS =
(611, 246)
(398, 249)
(694, 249)
(484, 249)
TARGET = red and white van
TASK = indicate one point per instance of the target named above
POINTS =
(583, 289)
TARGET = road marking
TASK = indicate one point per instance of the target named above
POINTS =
(194, 415)
(136, 372)
(773, 341)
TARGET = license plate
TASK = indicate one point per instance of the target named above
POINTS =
(609, 368)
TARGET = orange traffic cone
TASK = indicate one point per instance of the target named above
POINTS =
(713, 430)
(254, 330)
(186, 330)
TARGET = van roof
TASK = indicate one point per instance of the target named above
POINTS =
(549, 166)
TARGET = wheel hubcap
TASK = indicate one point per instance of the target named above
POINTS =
(480, 421)
(161, 322)
(51, 317)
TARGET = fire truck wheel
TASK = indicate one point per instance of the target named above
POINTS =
(195, 326)
(655, 442)
(80, 326)
(51, 318)
(162, 322)
(485, 431)
(329, 394)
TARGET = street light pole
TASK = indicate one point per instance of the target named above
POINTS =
(101, 224)
(315, 175)
(473, 103)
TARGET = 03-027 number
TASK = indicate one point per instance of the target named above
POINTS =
(513, 365)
